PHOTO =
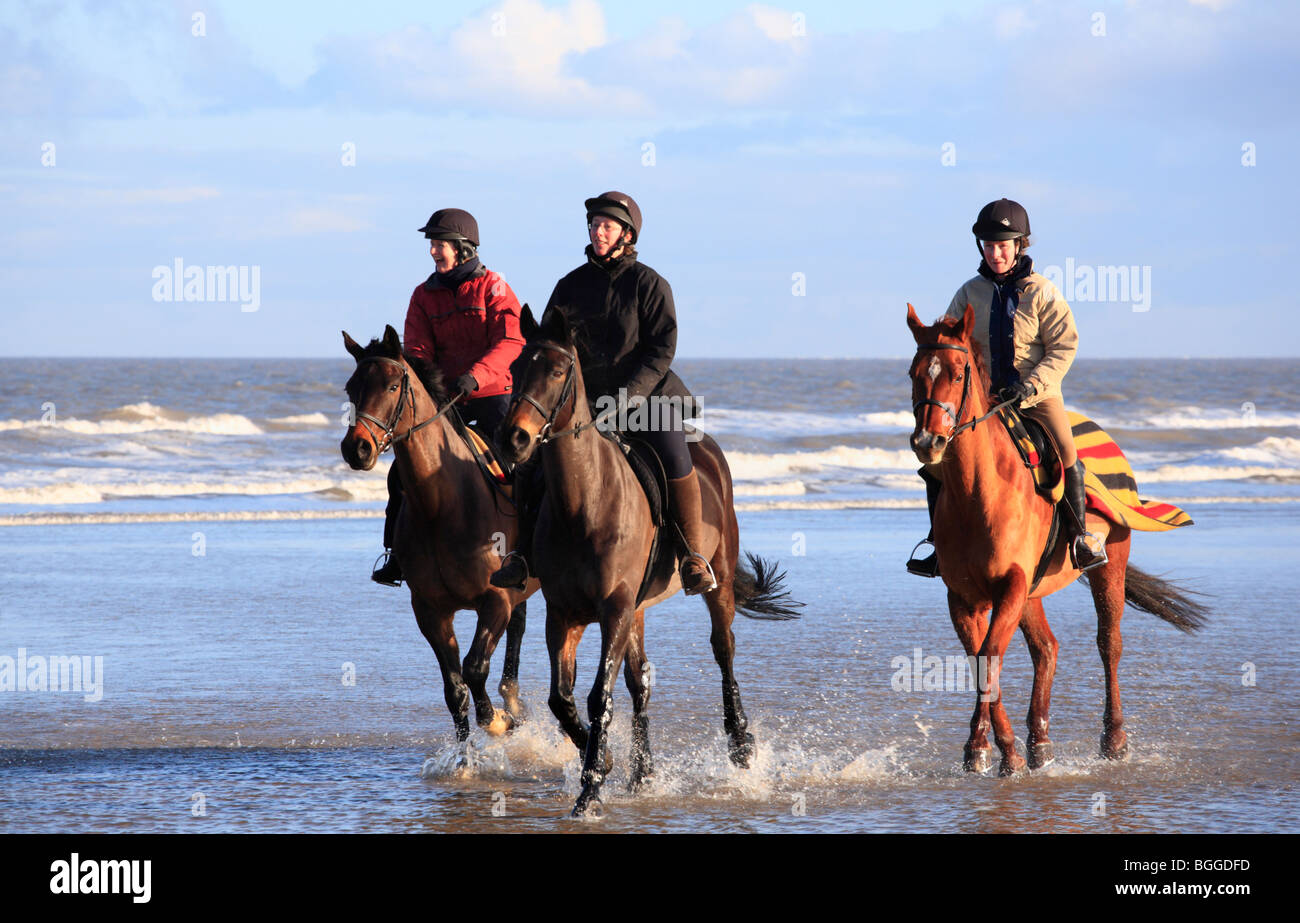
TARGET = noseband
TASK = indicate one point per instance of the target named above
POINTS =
(569, 393)
(389, 440)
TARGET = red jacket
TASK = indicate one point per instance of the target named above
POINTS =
(474, 329)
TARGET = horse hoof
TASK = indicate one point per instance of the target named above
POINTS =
(640, 782)
(980, 760)
(501, 723)
(1012, 765)
(588, 804)
(1115, 750)
(741, 753)
(1041, 755)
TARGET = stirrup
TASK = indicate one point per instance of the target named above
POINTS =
(927, 566)
(708, 569)
(387, 571)
(500, 578)
(1091, 545)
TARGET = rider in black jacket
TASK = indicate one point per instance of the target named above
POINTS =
(625, 329)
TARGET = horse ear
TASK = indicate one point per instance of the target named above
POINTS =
(967, 322)
(352, 347)
(392, 342)
(914, 322)
(555, 325)
(527, 323)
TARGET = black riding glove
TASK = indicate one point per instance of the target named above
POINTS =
(1017, 392)
(467, 384)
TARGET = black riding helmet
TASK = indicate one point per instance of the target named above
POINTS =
(1001, 220)
(456, 225)
(617, 205)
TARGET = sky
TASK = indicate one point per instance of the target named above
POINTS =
(804, 172)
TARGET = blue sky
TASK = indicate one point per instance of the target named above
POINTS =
(844, 147)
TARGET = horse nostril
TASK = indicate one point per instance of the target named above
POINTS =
(519, 438)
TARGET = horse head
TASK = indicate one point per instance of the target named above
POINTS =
(547, 385)
(383, 392)
(945, 372)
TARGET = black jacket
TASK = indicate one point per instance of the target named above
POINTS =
(625, 327)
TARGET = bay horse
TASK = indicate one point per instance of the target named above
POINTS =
(451, 526)
(990, 527)
(592, 544)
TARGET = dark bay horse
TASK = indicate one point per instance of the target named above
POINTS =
(451, 528)
(592, 544)
(990, 526)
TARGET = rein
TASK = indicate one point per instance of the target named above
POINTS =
(389, 440)
(958, 427)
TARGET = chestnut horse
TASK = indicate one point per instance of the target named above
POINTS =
(592, 544)
(990, 526)
(450, 528)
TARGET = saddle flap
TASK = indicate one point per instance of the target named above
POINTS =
(1037, 451)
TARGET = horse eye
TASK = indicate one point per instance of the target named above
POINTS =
(392, 388)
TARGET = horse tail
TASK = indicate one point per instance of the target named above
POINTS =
(760, 591)
(1164, 600)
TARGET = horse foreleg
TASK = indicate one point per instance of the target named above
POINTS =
(493, 616)
(722, 612)
(972, 626)
(1107, 585)
(509, 687)
(1042, 650)
(1008, 607)
(615, 630)
(638, 686)
(562, 646)
(439, 630)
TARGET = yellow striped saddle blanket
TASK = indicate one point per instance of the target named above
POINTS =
(1111, 486)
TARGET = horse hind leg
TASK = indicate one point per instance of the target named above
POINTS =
(638, 675)
(722, 612)
(1042, 650)
(1107, 585)
(509, 686)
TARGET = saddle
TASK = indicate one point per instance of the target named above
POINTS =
(1037, 451)
(1043, 459)
(480, 447)
(649, 471)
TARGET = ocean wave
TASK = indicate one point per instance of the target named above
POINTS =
(141, 418)
(1204, 418)
(799, 423)
(361, 488)
(764, 466)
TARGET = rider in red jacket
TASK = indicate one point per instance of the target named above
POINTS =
(465, 320)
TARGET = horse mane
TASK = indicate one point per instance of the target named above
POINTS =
(429, 374)
(944, 326)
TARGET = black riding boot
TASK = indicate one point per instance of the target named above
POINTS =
(1089, 549)
(389, 572)
(929, 565)
(513, 572)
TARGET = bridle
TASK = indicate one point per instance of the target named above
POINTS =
(389, 440)
(567, 395)
(957, 426)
